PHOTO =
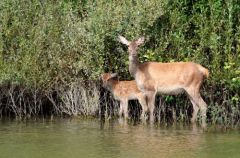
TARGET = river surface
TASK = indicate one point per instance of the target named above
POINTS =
(81, 138)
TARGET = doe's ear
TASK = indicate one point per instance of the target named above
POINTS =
(123, 40)
(140, 41)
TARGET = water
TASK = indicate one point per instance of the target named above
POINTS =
(80, 138)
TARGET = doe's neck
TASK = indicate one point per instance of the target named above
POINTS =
(133, 64)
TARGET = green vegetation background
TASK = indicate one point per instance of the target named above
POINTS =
(46, 44)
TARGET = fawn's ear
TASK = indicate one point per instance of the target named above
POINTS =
(140, 41)
(123, 40)
(114, 75)
(102, 76)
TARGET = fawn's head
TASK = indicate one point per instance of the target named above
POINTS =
(132, 45)
(107, 77)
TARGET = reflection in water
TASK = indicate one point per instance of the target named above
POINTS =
(112, 138)
(150, 141)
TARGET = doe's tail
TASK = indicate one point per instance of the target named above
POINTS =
(204, 71)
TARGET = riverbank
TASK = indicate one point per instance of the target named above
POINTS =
(91, 100)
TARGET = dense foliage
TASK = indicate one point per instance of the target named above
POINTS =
(45, 44)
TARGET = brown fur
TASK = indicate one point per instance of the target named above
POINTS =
(124, 91)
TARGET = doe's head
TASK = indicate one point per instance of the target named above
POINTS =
(132, 45)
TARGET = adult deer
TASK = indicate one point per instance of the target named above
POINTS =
(167, 78)
(124, 91)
